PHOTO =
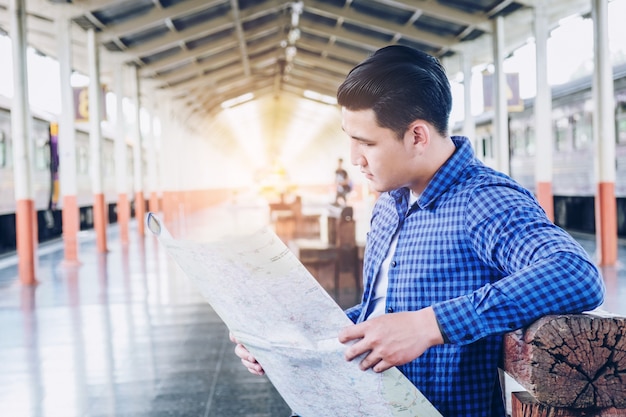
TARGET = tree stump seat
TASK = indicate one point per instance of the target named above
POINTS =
(570, 365)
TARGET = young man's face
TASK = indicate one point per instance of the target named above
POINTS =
(387, 162)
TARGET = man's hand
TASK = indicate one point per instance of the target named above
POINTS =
(392, 339)
(246, 357)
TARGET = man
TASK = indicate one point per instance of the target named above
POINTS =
(342, 183)
(457, 254)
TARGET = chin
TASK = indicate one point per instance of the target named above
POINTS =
(379, 188)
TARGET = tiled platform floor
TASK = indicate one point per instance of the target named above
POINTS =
(126, 334)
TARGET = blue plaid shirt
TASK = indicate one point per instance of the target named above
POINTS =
(479, 249)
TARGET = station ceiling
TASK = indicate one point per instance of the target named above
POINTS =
(202, 53)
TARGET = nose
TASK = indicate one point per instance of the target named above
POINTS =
(356, 157)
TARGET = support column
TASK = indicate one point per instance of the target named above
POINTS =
(67, 145)
(153, 203)
(501, 114)
(168, 162)
(543, 115)
(140, 203)
(604, 132)
(25, 213)
(121, 156)
(95, 140)
(469, 126)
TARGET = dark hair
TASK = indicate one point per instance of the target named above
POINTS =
(400, 84)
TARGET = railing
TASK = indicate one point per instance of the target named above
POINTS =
(570, 365)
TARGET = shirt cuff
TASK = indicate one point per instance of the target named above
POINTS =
(443, 333)
(458, 321)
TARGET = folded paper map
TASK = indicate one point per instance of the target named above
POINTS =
(278, 310)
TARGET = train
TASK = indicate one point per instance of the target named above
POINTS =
(574, 182)
(45, 160)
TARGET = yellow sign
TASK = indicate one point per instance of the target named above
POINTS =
(81, 104)
(513, 99)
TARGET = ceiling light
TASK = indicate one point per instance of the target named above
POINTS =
(314, 95)
(237, 100)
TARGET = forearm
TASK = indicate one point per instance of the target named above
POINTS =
(562, 283)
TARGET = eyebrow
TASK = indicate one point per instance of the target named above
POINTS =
(363, 140)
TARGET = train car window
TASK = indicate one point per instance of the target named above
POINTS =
(130, 163)
(518, 141)
(582, 130)
(3, 150)
(561, 134)
(530, 140)
(42, 154)
(82, 162)
(486, 142)
(108, 165)
(620, 123)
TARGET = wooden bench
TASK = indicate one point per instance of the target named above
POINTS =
(317, 255)
(290, 222)
(339, 251)
(570, 365)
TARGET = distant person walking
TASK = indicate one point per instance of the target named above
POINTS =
(342, 182)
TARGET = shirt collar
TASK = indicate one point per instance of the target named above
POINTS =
(448, 174)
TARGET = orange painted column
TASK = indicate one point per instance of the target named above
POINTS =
(546, 198)
(140, 203)
(67, 146)
(121, 169)
(123, 216)
(25, 233)
(95, 140)
(140, 212)
(543, 113)
(100, 223)
(606, 223)
(604, 132)
(71, 226)
(25, 215)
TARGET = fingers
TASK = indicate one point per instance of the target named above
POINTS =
(356, 350)
(253, 367)
(356, 334)
(389, 340)
(248, 360)
(372, 358)
(381, 366)
(242, 352)
(351, 333)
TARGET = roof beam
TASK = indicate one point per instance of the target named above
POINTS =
(210, 49)
(212, 64)
(234, 7)
(211, 27)
(380, 25)
(442, 12)
(155, 16)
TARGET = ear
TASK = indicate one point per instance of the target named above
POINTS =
(420, 134)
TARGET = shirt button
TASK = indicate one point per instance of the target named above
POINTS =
(393, 263)
(467, 337)
(389, 310)
(511, 326)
